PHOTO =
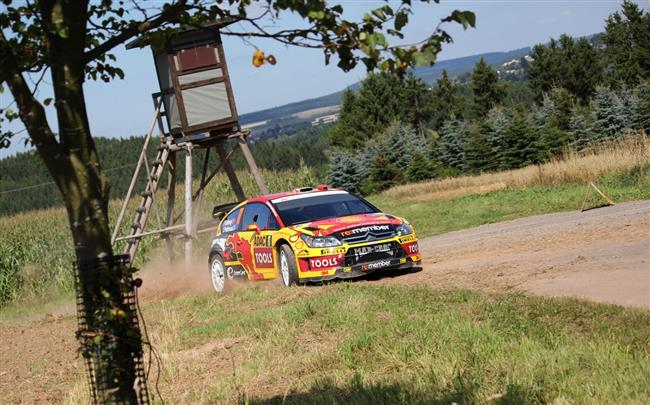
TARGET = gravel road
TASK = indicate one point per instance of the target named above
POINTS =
(602, 255)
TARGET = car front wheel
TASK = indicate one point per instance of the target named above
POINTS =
(288, 267)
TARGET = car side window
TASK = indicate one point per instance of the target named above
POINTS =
(260, 214)
(230, 223)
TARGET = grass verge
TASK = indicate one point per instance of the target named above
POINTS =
(436, 216)
(353, 343)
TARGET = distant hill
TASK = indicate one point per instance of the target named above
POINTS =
(279, 117)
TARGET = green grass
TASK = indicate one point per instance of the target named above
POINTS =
(352, 343)
(439, 216)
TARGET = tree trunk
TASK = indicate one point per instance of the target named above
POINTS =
(110, 339)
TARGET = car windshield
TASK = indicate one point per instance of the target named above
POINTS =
(301, 208)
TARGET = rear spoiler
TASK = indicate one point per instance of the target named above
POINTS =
(220, 211)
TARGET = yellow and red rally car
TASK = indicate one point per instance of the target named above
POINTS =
(309, 234)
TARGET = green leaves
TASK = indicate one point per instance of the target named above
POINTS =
(466, 18)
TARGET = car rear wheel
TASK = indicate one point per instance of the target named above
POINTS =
(288, 267)
(217, 273)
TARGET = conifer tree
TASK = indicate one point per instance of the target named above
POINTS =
(445, 100)
(582, 133)
(420, 168)
(628, 109)
(478, 154)
(496, 123)
(521, 145)
(627, 40)
(643, 108)
(344, 171)
(384, 173)
(487, 91)
(400, 142)
(606, 107)
(454, 135)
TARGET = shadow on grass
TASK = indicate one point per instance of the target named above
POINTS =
(460, 391)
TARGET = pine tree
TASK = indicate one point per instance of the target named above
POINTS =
(445, 100)
(582, 133)
(627, 40)
(497, 121)
(344, 172)
(349, 132)
(384, 173)
(478, 154)
(420, 168)
(521, 144)
(487, 91)
(643, 108)
(628, 110)
(400, 142)
(454, 135)
(606, 107)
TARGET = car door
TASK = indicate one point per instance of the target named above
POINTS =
(227, 238)
(257, 227)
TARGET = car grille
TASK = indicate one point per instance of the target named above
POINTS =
(352, 257)
(369, 236)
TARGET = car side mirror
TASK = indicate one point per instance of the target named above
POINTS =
(217, 213)
(254, 227)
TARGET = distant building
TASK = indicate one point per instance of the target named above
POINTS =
(325, 119)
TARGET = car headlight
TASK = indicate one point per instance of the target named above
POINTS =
(320, 241)
(404, 229)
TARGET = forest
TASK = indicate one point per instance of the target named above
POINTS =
(573, 94)
(568, 93)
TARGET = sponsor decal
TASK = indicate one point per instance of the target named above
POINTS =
(402, 260)
(229, 225)
(349, 219)
(411, 248)
(325, 262)
(365, 229)
(347, 269)
(332, 250)
(364, 250)
(407, 239)
(293, 238)
(375, 265)
(263, 257)
(265, 240)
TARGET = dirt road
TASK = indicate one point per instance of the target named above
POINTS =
(601, 255)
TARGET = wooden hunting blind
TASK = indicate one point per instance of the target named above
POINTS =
(198, 106)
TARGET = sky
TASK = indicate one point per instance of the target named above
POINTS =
(124, 107)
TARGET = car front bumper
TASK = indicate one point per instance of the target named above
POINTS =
(362, 269)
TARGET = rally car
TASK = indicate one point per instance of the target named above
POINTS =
(308, 235)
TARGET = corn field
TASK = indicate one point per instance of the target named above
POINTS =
(36, 252)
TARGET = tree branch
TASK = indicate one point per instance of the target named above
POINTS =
(166, 16)
(31, 111)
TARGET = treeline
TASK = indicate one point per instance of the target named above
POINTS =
(25, 183)
(576, 93)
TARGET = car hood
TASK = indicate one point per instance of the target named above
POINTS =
(329, 226)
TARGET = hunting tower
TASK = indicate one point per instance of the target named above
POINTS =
(194, 110)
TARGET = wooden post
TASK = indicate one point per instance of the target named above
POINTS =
(202, 184)
(251, 163)
(188, 207)
(171, 199)
(236, 187)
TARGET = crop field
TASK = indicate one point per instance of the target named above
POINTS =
(36, 266)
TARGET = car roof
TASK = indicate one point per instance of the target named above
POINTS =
(304, 190)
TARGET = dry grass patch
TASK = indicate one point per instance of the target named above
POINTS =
(573, 167)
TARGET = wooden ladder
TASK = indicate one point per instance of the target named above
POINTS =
(143, 210)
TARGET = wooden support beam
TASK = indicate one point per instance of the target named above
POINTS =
(199, 193)
(232, 176)
(251, 164)
(188, 208)
(168, 230)
(171, 199)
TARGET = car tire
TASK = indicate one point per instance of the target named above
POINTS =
(218, 273)
(287, 266)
